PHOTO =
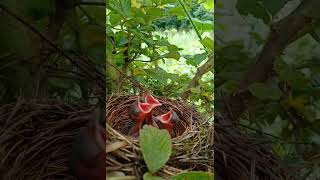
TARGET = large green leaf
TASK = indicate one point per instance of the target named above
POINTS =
(155, 146)
(194, 175)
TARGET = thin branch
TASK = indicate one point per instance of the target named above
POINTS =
(190, 19)
(126, 76)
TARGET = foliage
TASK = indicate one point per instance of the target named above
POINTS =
(181, 22)
(283, 108)
(136, 49)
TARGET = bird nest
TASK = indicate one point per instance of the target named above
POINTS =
(36, 140)
(192, 147)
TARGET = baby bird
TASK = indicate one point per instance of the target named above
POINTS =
(137, 114)
(154, 103)
(167, 121)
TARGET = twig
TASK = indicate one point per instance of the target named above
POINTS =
(195, 81)
(190, 19)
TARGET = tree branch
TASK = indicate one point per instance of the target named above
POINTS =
(195, 80)
(284, 32)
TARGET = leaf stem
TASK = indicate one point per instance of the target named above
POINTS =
(190, 19)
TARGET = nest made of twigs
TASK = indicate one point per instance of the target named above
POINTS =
(192, 148)
(118, 117)
(36, 139)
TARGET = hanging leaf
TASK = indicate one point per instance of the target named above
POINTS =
(208, 43)
(173, 55)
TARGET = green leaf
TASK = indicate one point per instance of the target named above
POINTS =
(119, 60)
(174, 48)
(149, 176)
(253, 7)
(208, 43)
(154, 13)
(203, 26)
(293, 77)
(196, 59)
(162, 42)
(173, 55)
(262, 91)
(123, 7)
(155, 146)
(208, 4)
(194, 175)
(115, 19)
(177, 11)
(196, 90)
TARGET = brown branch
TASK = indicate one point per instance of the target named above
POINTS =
(282, 33)
(195, 80)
